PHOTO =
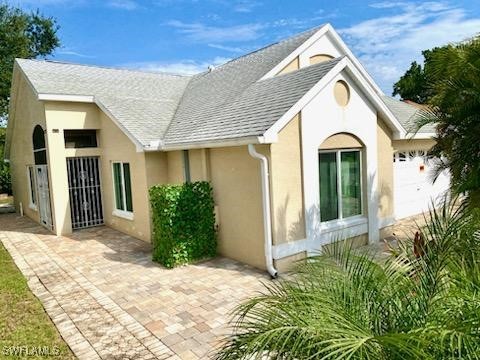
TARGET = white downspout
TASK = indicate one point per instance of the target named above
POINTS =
(267, 222)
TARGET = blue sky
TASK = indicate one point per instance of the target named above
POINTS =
(185, 36)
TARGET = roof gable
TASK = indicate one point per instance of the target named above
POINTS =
(142, 103)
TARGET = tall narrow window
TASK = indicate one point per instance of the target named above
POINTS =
(31, 187)
(122, 187)
(340, 184)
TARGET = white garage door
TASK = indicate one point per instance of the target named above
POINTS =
(414, 189)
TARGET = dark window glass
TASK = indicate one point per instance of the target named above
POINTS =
(75, 139)
(128, 186)
(328, 186)
(40, 157)
(38, 138)
(117, 179)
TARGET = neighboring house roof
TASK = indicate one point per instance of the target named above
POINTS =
(143, 103)
(409, 115)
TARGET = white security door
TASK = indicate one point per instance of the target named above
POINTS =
(85, 192)
(41, 174)
(414, 189)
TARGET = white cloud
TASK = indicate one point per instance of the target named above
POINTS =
(182, 67)
(246, 6)
(386, 45)
(70, 52)
(226, 48)
(123, 4)
(214, 34)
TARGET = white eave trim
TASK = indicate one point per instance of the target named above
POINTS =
(421, 136)
(337, 42)
(345, 64)
(159, 146)
(67, 98)
(305, 45)
(90, 99)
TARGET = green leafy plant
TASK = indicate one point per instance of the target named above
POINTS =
(5, 179)
(345, 304)
(183, 223)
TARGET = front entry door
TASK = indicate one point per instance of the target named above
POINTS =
(41, 174)
(85, 192)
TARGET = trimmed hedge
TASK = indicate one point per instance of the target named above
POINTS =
(5, 178)
(183, 223)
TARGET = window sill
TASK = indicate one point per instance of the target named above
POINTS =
(32, 207)
(339, 224)
(128, 215)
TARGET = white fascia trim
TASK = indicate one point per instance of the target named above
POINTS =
(90, 99)
(139, 147)
(337, 42)
(67, 98)
(305, 45)
(399, 130)
(421, 136)
(159, 146)
(272, 133)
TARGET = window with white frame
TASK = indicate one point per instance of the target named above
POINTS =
(340, 173)
(32, 190)
(122, 187)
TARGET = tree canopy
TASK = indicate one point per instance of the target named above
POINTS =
(415, 83)
(454, 82)
(22, 35)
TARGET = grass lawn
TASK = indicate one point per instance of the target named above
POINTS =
(23, 321)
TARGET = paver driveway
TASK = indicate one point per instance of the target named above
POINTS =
(110, 301)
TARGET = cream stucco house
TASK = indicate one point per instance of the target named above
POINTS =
(299, 143)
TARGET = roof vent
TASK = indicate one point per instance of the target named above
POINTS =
(211, 68)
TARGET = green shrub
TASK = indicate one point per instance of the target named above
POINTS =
(5, 178)
(183, 223)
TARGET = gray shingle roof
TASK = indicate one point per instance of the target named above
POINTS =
(408, 115)
(152, 106)
(252, 112)
(144, 103)
(210, 93)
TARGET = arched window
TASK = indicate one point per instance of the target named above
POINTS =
(39, 147)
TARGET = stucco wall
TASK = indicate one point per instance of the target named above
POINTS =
(288, 223)
(385, 173)
(413, 144)
(236, 181)
(28, 113)
(116, 146)
(292, 66)
(60, 116)
(340, 141)
(199, 164)
(175, 167)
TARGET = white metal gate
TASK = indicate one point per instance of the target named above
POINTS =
(41, 175)
(85, 192)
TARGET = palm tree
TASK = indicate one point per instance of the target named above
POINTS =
(345, 304)
(454, 82)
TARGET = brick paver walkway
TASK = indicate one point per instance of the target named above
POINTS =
(110, 301)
